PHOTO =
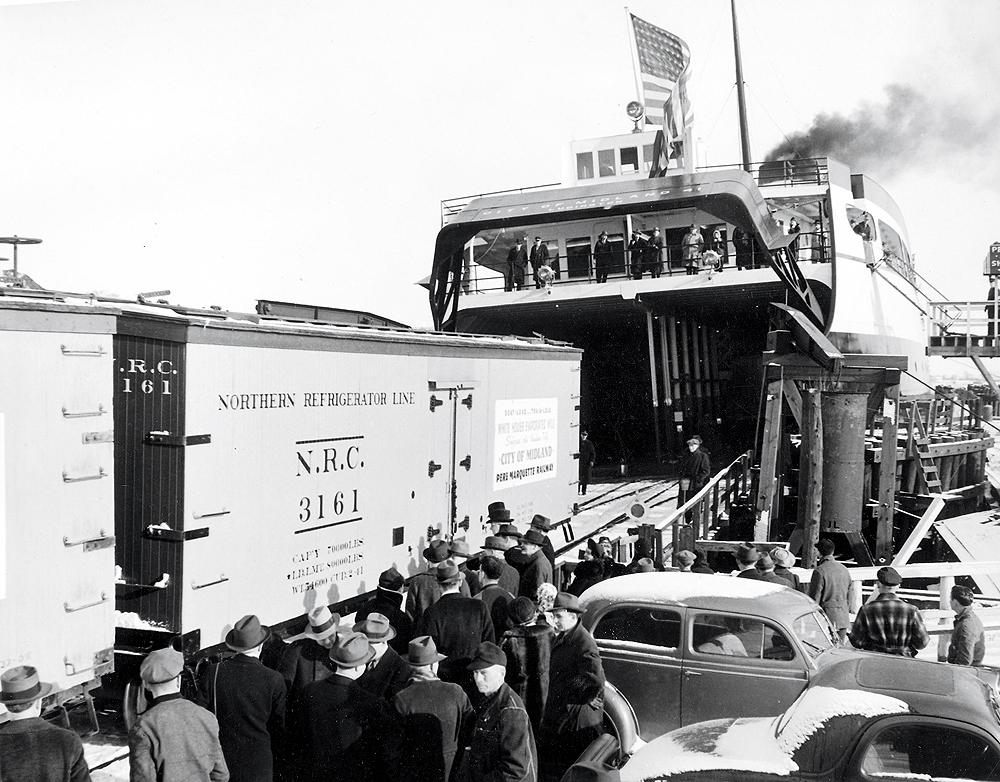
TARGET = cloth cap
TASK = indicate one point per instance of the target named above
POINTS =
(567, 602)
(423, 651)
(376, 627)
(20, 685)
(534, 536)
(783, 557)
(544, 523)
(495, 543)
(391, 579)
(160, 666)
(521, 610)
(747, 553)
(487, 655)
(888, 576)
(351, 650)
(436, 551)
(247, 633)
(322, 624)
(695, 439)
(448, 573)
(685, 557)
(460, 547)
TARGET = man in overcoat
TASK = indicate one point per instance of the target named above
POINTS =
(588, 455)
(307, 658)
(424, 589)
(494, 547)
(528, 646)
(174, 740)
(493, 595)
(517, 263)
(435, 717)
(829, 586)
(386, 673)
(32, 750)
(538, 256)
(603, 257)
(544, 525)
(459, 551)
(502, 747)
(388, 601)
(249, 702)
(537, 569)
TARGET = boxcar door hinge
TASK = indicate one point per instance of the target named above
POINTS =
(468, 401)
(467, 462)
(432, 468)
(435, 402)
(166, 438)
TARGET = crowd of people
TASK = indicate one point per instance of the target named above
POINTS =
(484, 673)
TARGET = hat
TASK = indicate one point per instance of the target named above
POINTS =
(521, 610)
(376, 627)
(604, 233)
(747, 553)
(783, 557)
(685, 557)
(645, 565)
(391, 580)
(423, 652)
(351, 650)
(825, 546)
(499, 516)
(21, 685)
(460, 547)
(533, 536)
(322, 624)
(247, 633)
(567, 602)
(509, 531)
(487, 655)
(494, 507)
(888, 576)
(495, 543)
(544, 523)
(765, 562)
(448, 573)
(436, 551)
(694, 439)
(161, 666)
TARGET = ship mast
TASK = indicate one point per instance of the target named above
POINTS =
(740, 94)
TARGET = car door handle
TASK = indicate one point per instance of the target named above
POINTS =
(692, 673)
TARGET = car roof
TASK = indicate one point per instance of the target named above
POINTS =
(930, 688)
(696, 590)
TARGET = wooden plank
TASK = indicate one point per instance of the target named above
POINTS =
(810, 475)
(887, 476)
(769, 459)
(794, 399)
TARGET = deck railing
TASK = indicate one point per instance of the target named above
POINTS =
(963, 328)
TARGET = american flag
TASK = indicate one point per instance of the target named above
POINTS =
(663, 60)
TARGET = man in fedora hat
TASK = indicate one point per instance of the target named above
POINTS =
(765, 570)
(502, 747)
(424, 589)
(537, 569)
(831, 581)
(494, 547)
(249, 701)
(459, 551)
(783, 562)
(514, 555)
(435, 717)
(388, 601)
(307, 656)
(696, 469)
(747, 555)
(458, 624)
(685, 560)
(528, 647)
(574, 710)
(497, 515)
(544, 524)
(342, 729)
(174, 740)
(386, 673)
(886, 623)
(588, 456)
(32, 750)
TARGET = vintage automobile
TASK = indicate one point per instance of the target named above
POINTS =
(680, 648)
(862, 717)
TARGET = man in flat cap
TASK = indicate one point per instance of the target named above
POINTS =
(458, 624)
(386, 673)
(537, 569)
(343, 729)
(831, 581)
(968, 639)
(502, 748)
(424, 589)
(31, 749)
(495, 547)
(886, 623)
(174, 740)
(435, 717)
(249, 702)
(388, 601)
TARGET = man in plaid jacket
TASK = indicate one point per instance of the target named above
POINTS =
(888, 624)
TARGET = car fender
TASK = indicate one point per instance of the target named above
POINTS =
(623, 723)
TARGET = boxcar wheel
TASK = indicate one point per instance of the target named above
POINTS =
(133, 702)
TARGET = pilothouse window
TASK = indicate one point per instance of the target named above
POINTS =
(606, 162)
(630, 160)
(584, 165)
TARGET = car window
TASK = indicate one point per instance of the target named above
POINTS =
(815, 632)
(739, 636)
(643, 625)
(932, 751)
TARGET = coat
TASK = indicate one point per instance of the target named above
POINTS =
(435, 717)
(249, 702)
(793, 580)
(587, 573)
(458, 625)
(304, 662)
(32, 750)
(502, 748)
(422, 592)
(588, 455)
(497, 599)
(176, 741)
(529, 652)
(342, 730)
(576, 678)
(510, 578)
(829, 585)
(389, 604)
(537, 571)
(697, 468)
(387, 677)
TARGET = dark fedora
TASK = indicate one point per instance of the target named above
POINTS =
(487, 655)
(351, 650)
(448, 573)
(509, 531)
(20, 685)
(495, 543)
(376, 628)
(436, 551)
(544, 523)
(247, 633)
(161, 666)
(747, 554)
(534, 536)
(391, 579)
(567, 602)
(521, 610)
(423, 651)
(460, 547)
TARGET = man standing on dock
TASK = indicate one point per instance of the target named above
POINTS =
(968, 639)
(888, 624)
(830, 583)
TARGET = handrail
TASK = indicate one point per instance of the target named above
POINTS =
(700, 507)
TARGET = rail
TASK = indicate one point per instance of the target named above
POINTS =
(963, 328)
